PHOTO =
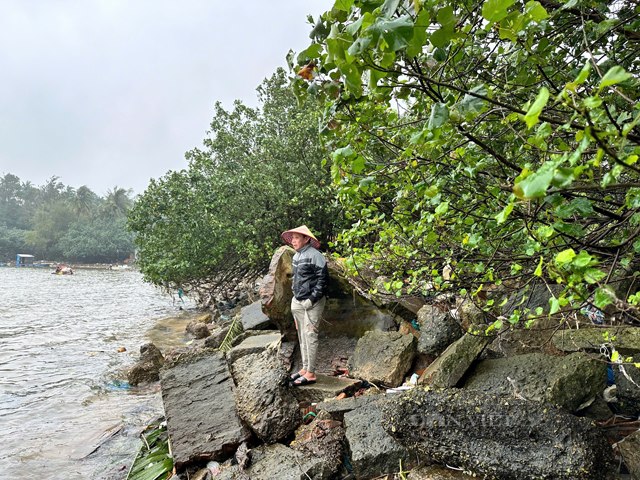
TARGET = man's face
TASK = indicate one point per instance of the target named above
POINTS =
(298, 240)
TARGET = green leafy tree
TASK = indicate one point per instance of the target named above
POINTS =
(116, 202)
(49, 225)
(99, 240)
(259, 174)
(498, 137)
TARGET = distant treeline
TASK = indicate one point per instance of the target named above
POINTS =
(58, 222)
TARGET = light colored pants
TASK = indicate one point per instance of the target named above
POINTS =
(307, 323)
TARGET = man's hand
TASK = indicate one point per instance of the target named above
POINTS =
(307, 304)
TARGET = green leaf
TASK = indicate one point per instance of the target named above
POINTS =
(536, 184)
(442, 208)
(538, 271)
(602, 298)
(531, 118)
(582, 259)
(584, 73)
(555, 305)
(615, 356)
(504, 214)
(535, 11)
(594, 275)
(398, 32)
(344, 5)
(615, 75)
(495, 10)
(439, 116)
(358, 164)
(565, 256)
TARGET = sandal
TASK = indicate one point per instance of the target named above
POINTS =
(303, 381)
(295, 376)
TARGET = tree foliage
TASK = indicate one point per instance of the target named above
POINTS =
(498, 137)
(259, 174)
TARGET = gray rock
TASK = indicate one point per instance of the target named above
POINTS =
(326, 387)
(278, 462)
(437, 330)
(373, 451)
(254, 319)
(148, 368)
(597, 410)
(627, 393)
(276, 294)
(197, 329)
(382, 357)
(566, 381)
(499, 439)
(251, 345)
(337, 408)
(630, 450)
(437, 472)
(627, 339)
(200, 410)
(217, 336)
(263, 396)
(450, 367)
(470, 314)
(322, 438)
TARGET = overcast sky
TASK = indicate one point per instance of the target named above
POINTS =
(114, 92)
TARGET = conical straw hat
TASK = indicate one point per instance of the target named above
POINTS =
(303, 230)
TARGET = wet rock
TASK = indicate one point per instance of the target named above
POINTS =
(254, 319)
(449, 368)
(326, 387)
(217, 336)
(566, 381)
(437, 472)
(251, 345)
(627, 393)
(630, 450)
(276, 294)
(499, 439)
(322, 438)
(470, 314)
(197, 329)
(382, 357)
(205, 318)
(337, 408)
(627, 339)
(438, 330)
(202, 421)
(373, 451)
(597, 410)
(263, 396)
(279, 462)
(286, 354)
(148, 368)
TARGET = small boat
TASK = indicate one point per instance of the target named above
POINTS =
(63, 270)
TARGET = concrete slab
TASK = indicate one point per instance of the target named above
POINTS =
(254, 344)
(326, 388)
(254, 319)
(200, 410)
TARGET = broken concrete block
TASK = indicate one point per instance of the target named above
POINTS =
(200, 410)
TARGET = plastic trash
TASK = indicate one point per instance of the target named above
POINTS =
(414, 379)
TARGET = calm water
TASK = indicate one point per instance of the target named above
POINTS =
(61, 373)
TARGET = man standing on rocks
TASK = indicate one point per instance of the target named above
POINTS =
(310, 282)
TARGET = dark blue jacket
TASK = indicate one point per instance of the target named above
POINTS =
(310, 274)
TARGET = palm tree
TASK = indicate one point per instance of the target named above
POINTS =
(117, 202)
(83, 201)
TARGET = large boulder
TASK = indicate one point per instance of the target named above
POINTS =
(449, 368)
(253, 318)
(630, 450)
(625, 340)
(382, 357)
(373, 452)
(322, 438)
(276, 294)
(499, 439)
(148, 368)
(216, 338)
(567, 381)
(199, 406)
(263, 396)
(438, 330)
(269, 462)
